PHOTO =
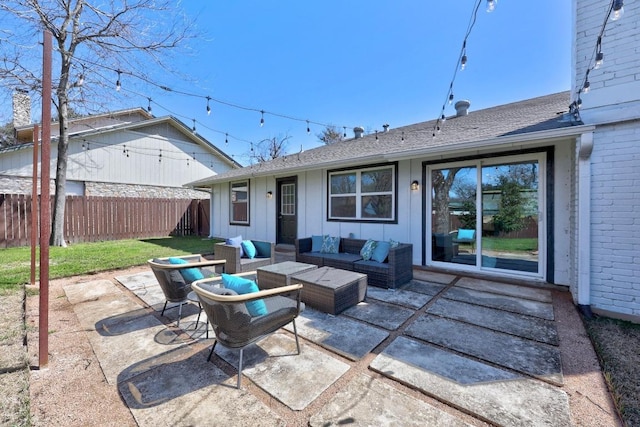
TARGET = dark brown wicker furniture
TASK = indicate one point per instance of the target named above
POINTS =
(276, 275)
(395, 271)
(331, 290)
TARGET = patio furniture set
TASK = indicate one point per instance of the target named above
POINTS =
(242, 311)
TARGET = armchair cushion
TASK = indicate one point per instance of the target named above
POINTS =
(242, 286)
(173, 275)
(466, 234)
(189, 274)
(381, 251)
(263, 249)
(249, 249)
(236, 242)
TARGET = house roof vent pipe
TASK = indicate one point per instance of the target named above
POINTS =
(358, 131)
(385, 127)
(462, 108)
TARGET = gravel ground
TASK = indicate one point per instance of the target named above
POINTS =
(72, 391)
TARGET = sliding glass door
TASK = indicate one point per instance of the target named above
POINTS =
(485, 214)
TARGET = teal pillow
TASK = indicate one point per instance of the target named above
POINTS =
(393, 243)
(245, 286)
(249, 249)
(330, 245)
(263, 249)
(189, 274)
(367, 249)
(381, 251)
(466, 234)
(316, 243)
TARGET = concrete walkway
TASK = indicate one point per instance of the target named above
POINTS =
(443, 350)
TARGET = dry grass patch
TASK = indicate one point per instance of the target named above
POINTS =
(617, 344)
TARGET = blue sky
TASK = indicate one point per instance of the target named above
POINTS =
(355, 63)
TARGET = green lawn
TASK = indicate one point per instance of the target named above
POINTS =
(86, 258)
(509, 245)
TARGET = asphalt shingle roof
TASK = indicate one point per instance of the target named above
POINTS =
(518, 118)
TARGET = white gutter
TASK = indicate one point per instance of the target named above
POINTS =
(585, 147)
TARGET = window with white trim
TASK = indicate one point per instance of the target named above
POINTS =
(366, 194)
(239, 202)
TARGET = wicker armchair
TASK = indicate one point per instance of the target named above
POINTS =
(174, 286)
(234, 327)
(237, 264)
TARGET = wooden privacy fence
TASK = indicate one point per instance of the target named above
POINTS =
(90, 219)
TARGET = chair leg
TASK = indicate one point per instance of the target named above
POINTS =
(164, 308)
(295, 332)
(211, 352)
(179, 313)
(240, 368)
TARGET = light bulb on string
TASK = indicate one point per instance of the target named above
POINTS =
(118, 81)
(402, 138)
(491, 5)
(463, 62)
(193, 129)
(376, 135)
(308, 128)
(261, 118)
(599, 54)
(617, 10)
(149, 105)
(226, 138)
(208, 107)
(443, 118)
(586, 87)
(344, 129)
(451, 98)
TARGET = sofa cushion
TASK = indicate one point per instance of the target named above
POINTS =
(249, 249)
(245, 286)
(330, 245)
(367, 249)
(189, 274)
(316, 243)
(381, 251)
(263, 249)
(466, 234)
(236, 242)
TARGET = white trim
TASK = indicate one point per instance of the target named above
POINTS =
(585, 147)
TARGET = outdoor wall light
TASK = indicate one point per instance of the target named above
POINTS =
(415, 185)
(269, 194)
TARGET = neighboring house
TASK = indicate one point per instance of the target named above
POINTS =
(580, 174)
(127, 153)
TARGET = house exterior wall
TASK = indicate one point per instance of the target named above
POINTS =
(125, 157)
(615, 226)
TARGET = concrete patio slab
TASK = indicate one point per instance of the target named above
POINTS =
(186, 390)
(526, 356)
(87, 291)
(432, 276)
(145, 286)
(426, 288)
(387, 316)
(294, 379)
(366, 401)
(347, 337)
(502, 302)
(533, 328)
(403, 297)
(542, 295)
(500, 397)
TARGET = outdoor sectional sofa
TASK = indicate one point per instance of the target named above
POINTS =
(396, 270)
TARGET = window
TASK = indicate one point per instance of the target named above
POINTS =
(240, 202)
(363, 194)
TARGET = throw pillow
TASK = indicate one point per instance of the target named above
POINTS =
(263, 249)
(316, 243)
(393, 243)
(466, 234)
(381, 251)
(249, 249)
(330, 245)
(190, 274)
(245, 286)
(367, 249)
(236, 242)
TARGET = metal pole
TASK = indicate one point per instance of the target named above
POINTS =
(45, 202)
(34, 203)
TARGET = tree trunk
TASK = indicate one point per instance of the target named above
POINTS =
(441, 188)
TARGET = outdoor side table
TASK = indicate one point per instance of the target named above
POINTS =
(331, 290)
(276, 275)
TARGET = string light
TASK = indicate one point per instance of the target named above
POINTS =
(308, 129)
(463, 60)
(193, 129)
(344, 128)
(261, 120)
(491, 5)
(118, 85)
(208, 107)
(226, 139)
(376, 135)
(160, 157)
(599, 54)
(618, 10)
(149, 105)
(402, 139)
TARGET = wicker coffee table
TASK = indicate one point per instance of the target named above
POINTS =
(276, 275)
(331, 290)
